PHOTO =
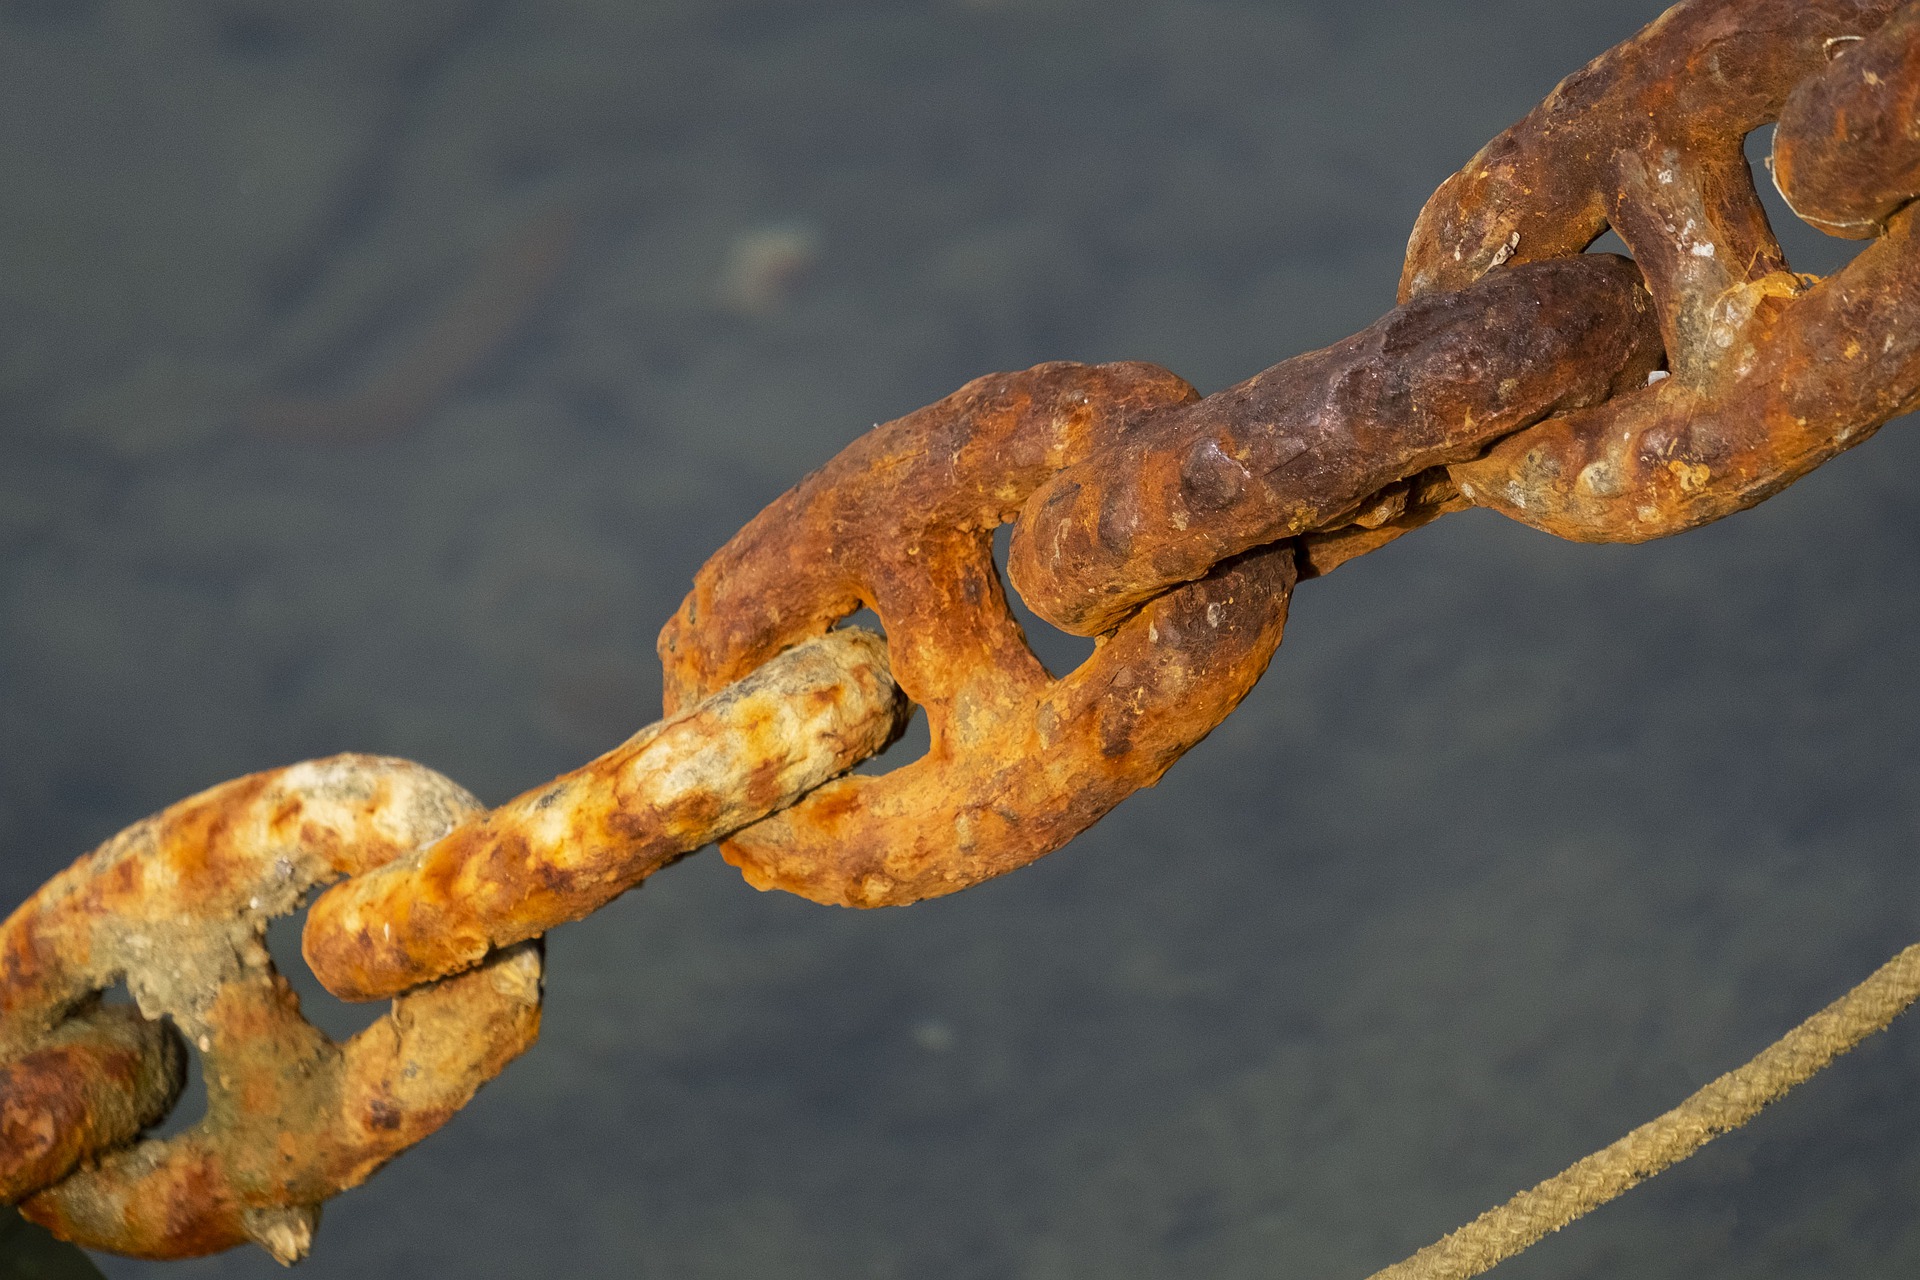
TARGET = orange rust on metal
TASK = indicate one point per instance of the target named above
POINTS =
(178, 905)
(1327, 440)
(90, 1084)
(902, 522)
(1688, 88)
(1772, 373)
(564, 850)
(1847, 153)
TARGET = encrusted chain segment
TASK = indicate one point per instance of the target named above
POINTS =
(565, 850)
(440, 899)
(1771, 373)
(1595, 397)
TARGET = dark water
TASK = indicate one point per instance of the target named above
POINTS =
(1518, 842)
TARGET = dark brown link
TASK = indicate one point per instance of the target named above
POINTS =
(1328, 439)
(902, 521)
(1847, 153)
(85, 1086)
(1694, 83)
(1771, 374)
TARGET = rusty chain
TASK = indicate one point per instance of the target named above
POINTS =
(1592, 397)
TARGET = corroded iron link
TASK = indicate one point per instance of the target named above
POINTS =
(1518, 374)
(1327, 440)
(1020, 762)
(562, 851)
(439, 892)
(1773, 373)
(1847, 154)
(178, 906)
(1691, 85)
(90, 1084)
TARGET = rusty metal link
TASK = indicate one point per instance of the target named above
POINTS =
(1329, 440)
(92, 1083)
(1518, 373)
(902, 522)
(1847, 153)
(177, 907)
(563, 851)
(441, 898)
(1771, 373)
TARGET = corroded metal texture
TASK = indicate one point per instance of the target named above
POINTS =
(1518, 374)
(1808, 372)
(902, 522)
(1772, 373)
(1847, 153)
(178, 906)
(1687, 89)
(92, 1084)
(1328, 440)
(564, 850)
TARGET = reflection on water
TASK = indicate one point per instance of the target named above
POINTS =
(375, 377)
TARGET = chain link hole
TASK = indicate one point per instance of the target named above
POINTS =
(191, 1107)
(1808, 250)
(908, 747)
(336, 1018)
(1059, 652)
(1610, 242)
(914, 741)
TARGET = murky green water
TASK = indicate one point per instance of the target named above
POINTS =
(1518, 842)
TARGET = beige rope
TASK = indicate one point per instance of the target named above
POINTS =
(1724, 1105)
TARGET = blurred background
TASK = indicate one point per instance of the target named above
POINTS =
(374, 377)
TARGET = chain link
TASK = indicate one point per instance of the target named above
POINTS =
(1596, 398)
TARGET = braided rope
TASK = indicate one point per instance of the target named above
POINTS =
(1718, 1107)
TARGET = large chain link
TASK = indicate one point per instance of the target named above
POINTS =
(441, 900)
(1772, 373)
(1592, 397)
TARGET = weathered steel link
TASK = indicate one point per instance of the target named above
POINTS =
(1773, 373)
(91, 1083)
(902, 522)
(1847, 152)
(1692, 85)
(1319, 441)
(1647, 139)
(1518, 373)
(562, 851)
(178, 906)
